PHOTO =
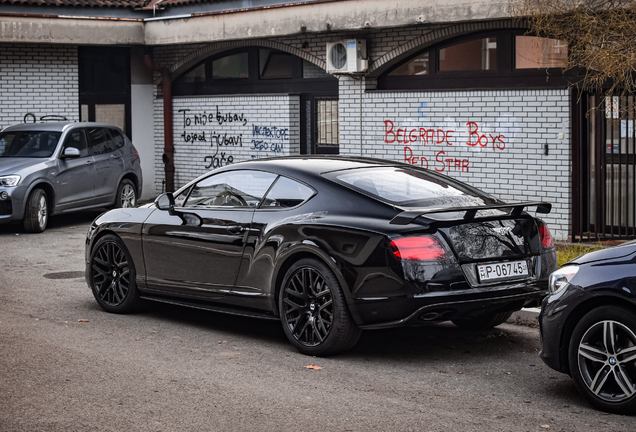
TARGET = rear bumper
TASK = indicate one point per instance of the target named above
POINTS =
(416, 311)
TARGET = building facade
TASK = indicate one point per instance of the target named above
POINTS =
(458, 88)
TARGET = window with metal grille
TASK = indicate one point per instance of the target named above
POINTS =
(327, 122)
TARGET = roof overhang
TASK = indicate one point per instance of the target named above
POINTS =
(261, 22)
(71, 30)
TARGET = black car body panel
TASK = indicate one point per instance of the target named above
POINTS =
(607, 276)
(238, 257)
(608, 254)
(588, 327)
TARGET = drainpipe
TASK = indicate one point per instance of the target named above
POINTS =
(168, 139)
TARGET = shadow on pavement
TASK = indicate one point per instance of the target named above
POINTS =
(57, 221)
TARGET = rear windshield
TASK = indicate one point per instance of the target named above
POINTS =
(28, 144)
(410, 187)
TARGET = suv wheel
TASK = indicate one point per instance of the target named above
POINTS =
(126, 195)
(36, 214)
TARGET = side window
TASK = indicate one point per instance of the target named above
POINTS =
(5, 143)
(118, 139)
(100, 141)
(110, 144)
(77, 139)
(179, 200)
(287, 193)
(241, 188)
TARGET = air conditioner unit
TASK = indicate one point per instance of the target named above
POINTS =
(347, 56)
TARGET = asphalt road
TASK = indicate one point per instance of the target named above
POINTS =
(176, 369)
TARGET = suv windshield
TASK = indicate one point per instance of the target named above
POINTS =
(409, 187)
(28, 144)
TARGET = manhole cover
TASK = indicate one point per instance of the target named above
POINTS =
(65, 275)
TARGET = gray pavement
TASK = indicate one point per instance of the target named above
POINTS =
(171, 369)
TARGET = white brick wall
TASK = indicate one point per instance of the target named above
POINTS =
(509, 129)
(38, 79)
(210, 132)
(493, 140)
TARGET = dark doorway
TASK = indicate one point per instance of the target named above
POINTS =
(104, 83)
(604, 164)
(319, 124)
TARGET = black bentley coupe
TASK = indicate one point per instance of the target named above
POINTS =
(329, 246)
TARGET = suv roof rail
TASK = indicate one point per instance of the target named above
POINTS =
(44, 118)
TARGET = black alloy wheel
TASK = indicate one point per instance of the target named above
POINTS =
(602, 358)
(112, 276)
(313, 310)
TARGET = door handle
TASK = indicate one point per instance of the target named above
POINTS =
(89, 162)
(236, 229)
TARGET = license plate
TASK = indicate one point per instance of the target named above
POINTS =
(506, 270)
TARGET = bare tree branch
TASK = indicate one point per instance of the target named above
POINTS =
(600, 34)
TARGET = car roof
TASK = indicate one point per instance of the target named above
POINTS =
(314, 164)
(53, 126)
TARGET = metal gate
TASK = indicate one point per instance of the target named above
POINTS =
(604, 184)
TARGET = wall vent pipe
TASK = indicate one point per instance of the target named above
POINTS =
(168, 138)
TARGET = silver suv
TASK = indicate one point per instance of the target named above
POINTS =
(51, 168)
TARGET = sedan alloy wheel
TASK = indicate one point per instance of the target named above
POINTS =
(606, 352)
(603, 358)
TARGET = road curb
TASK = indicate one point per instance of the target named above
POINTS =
(526, 317)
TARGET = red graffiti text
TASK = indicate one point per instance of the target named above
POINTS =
(497, 141)
(442, 163)
(411, 135)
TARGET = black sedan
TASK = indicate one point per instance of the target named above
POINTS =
(327, 245)
(588, 326)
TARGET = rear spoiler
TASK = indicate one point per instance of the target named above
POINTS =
(408, 217)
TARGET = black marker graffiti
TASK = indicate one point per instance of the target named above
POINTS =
(216, 139)
(217, 161)
(229, 117)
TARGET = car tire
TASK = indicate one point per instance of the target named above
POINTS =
(602, 359)
(314, 312)
(126, 194)
(483, 322)
(36, 214)
(112, 276)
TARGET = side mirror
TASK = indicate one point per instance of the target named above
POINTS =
(70, 153)
(165, 202)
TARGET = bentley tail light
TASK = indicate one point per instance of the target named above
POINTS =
(546, 237)
(421, 248)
